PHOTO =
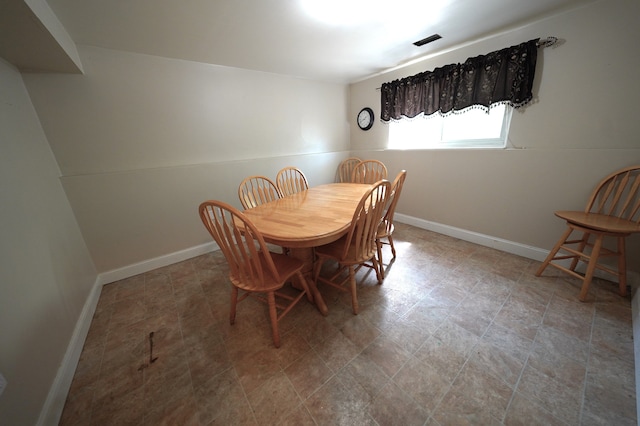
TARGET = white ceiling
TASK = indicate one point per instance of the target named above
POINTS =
(344, 45)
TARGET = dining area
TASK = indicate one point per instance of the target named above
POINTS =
(452, 321)
(287, 230)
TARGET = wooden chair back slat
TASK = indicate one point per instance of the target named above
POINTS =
(245, 251)
(369, 171)
(291, 180)
(618, 195)
(345, 169)
(632, 202)
(365, 222)
(396, 190)
(256, 190)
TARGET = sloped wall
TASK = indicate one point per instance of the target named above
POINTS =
(45, 268)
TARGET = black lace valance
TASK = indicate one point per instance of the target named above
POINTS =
(503, 76)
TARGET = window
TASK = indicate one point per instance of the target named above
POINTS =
(474, 128)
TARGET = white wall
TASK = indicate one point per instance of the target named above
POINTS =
(46, 274)
(582, 126)
(142, 140)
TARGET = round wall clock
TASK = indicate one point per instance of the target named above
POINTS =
(365, 118)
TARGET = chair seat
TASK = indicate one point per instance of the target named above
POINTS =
(286, 265)
(599, 222)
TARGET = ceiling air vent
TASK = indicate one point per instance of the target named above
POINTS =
(427, 40)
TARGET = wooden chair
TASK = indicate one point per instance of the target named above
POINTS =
(346, 168)
(291, 180)
(252, 267)
(256, 190)
(358, 246)
(613, 210)
(385, 230)
(369, 171)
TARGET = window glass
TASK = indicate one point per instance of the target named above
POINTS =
(473, 128)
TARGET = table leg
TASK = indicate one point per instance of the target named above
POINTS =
(306, 255)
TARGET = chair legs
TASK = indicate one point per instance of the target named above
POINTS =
(234, 304)
(293, 301)
(622, 267)
(591, 259)
(276, 310)
(379, 243)
(377, 266)
(354, 293)
(351, 278)
(581, 246)
(393, 248)
(553, 252)
(379, 248)
(591, 267)
(273, 316)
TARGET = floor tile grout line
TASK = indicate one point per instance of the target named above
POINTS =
(526, 361)
(586, 370)
(468, 357)
(418, 349)
(302, 400)
(403, 313)
(180, 321)
(506, 410)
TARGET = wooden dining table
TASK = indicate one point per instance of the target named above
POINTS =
(310, 218)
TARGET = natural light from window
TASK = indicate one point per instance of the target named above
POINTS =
(473, 128)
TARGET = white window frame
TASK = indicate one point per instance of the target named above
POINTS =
(416, 141)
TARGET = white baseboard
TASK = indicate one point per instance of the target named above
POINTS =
(523, 250)
(157, 262)
(530, 252)
(54, 404)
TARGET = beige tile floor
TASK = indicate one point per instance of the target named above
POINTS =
(457, 334)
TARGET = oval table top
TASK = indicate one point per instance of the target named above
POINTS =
(316, 216)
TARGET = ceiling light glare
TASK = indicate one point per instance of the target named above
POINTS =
(344, 12)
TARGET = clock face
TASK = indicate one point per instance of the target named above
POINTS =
(365, 118)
